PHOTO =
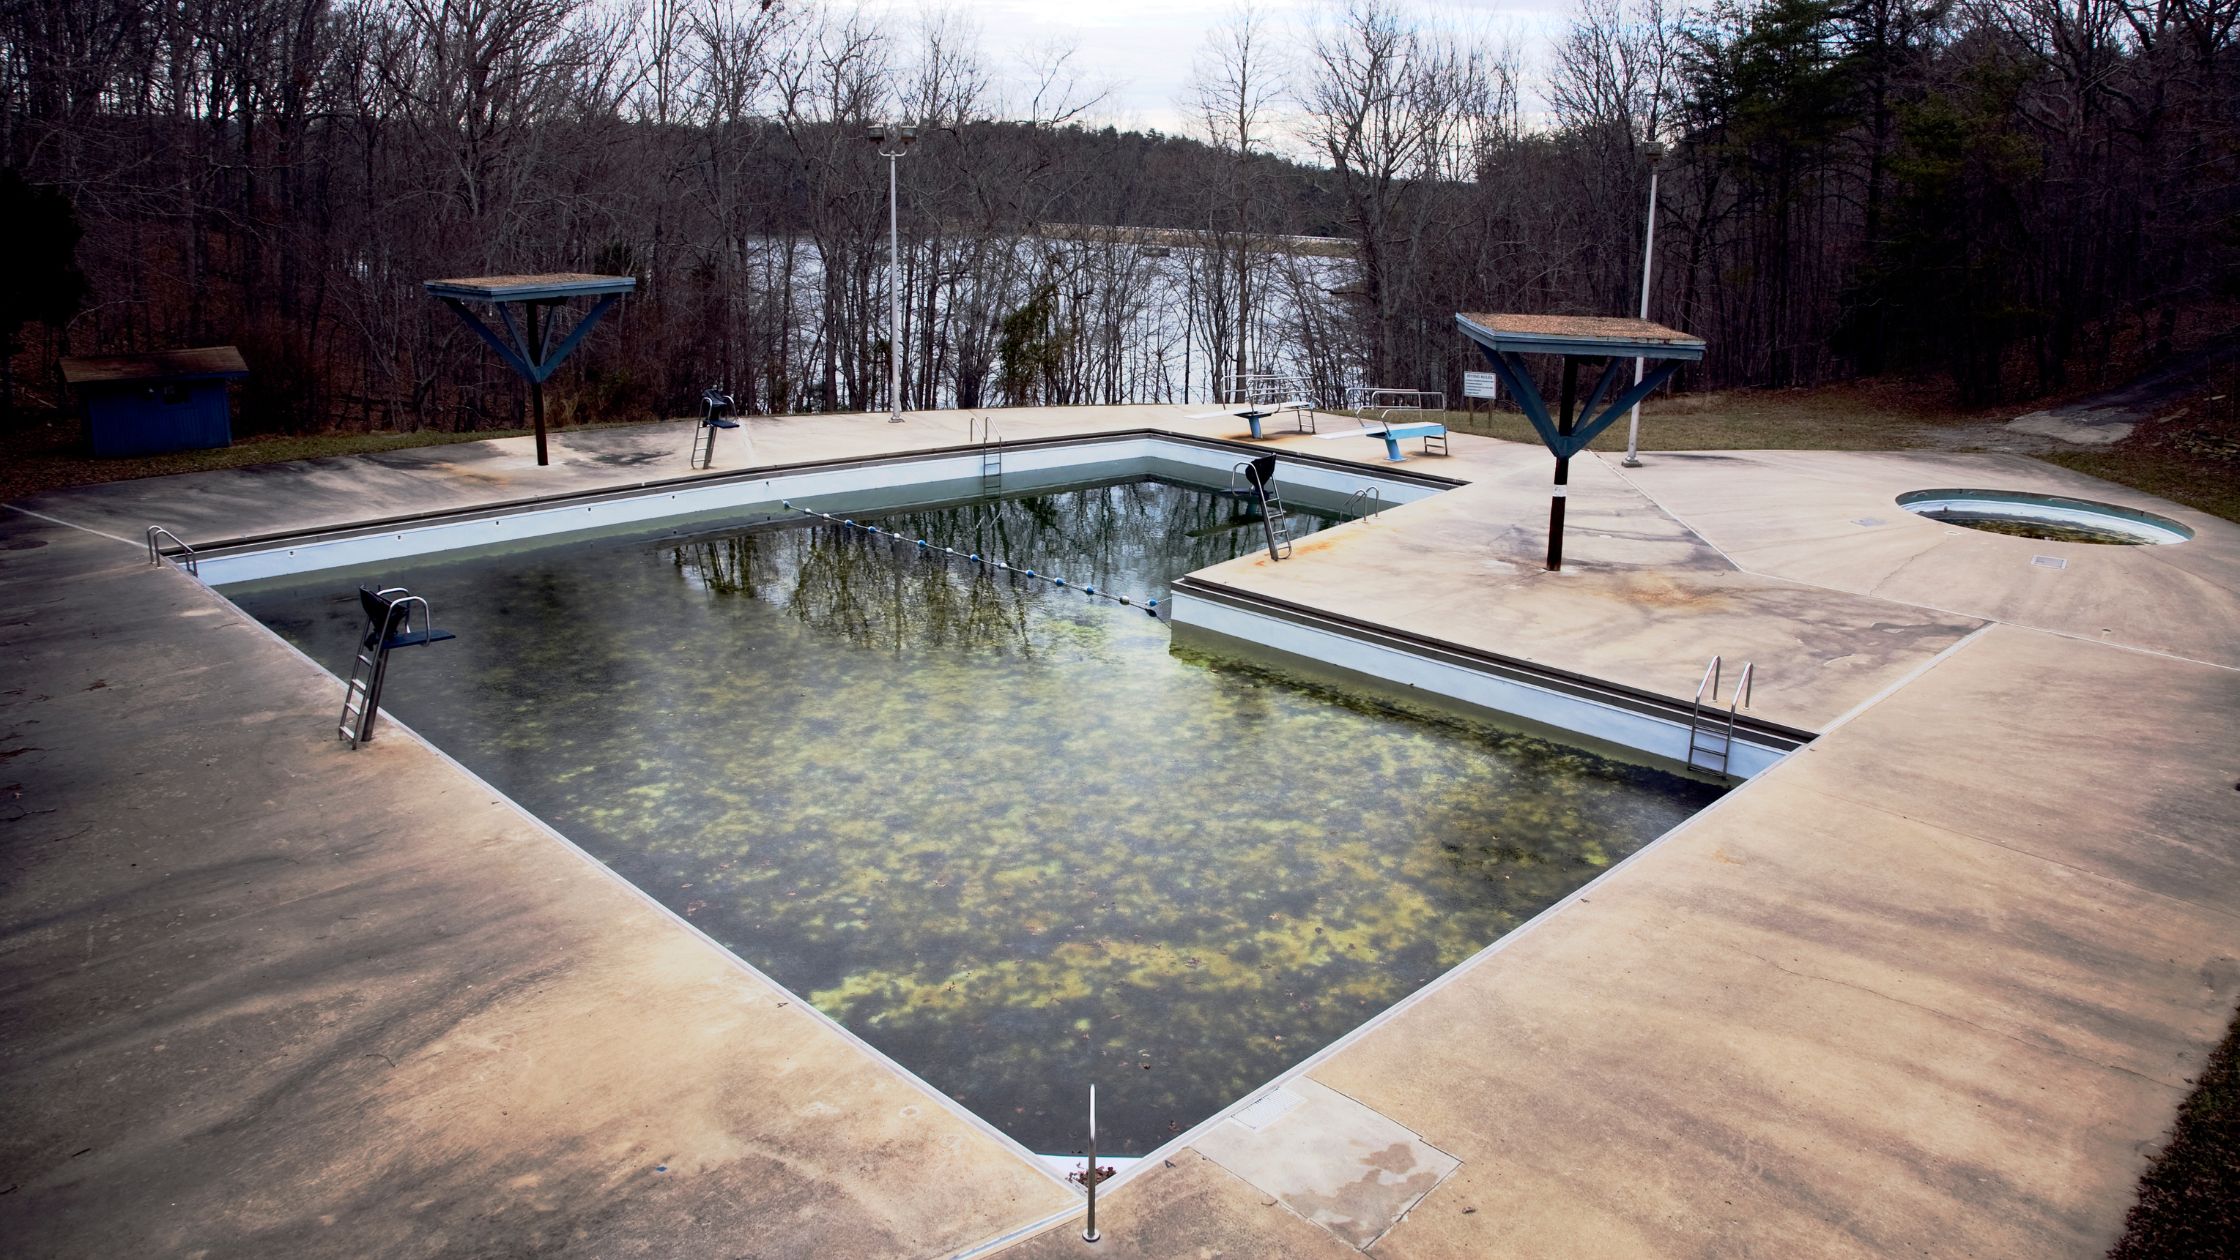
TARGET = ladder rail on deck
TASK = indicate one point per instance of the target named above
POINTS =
(980, 431)
(1709, 722)
(184, 555)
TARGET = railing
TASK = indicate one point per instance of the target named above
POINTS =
(1362, 504)
(1388, 400)
(1259, 387)
(1723, 732)
(184, 554)
(981, 432)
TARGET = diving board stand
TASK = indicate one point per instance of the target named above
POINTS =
(1506, 339)
(531, 353)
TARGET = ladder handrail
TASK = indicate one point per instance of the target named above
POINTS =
(1370, 500)
(1740, 698)
(1737, 700)
(156, 554)
(404, 604)
(1710, 682)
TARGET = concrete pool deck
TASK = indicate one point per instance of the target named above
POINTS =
(1934, 983)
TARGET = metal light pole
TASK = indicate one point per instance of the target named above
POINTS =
(1652, 150)
(893, 140)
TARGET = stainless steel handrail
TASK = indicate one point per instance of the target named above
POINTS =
(1738, 700)
(156, 554)
(1388, 399)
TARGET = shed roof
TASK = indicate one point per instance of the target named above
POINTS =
(558, 284)
(1586, 335)
(207, 363)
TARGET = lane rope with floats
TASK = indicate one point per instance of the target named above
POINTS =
(926, 547)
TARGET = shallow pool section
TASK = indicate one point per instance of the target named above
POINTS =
(2049, 517)
(1001, 830)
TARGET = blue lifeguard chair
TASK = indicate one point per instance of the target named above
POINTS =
(714, 402)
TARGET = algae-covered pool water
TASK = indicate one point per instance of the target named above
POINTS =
(1003, 831)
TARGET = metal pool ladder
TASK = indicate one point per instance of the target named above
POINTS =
(1362, 504)
(1259, 476)
(1710, 733)
(388, 627)
(184, 555)
(981, 432)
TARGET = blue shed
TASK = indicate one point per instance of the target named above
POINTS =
(146, 404)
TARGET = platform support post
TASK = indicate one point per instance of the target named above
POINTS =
(536, 383)
(1566, 415)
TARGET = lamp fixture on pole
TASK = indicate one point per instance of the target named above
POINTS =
(894, 140)
(1654, 151)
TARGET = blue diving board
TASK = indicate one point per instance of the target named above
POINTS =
(1393, 434)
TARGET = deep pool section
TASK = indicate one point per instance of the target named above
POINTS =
(1000, 830)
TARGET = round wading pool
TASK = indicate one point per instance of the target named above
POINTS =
(2044, 516)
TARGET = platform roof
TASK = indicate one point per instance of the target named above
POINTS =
(1589, 336)
(559, 284)
(206, 363)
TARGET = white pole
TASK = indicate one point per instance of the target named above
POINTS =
(894, 296)
(1648, 255)
(1089, 1234)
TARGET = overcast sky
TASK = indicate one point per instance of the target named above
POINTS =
(1141, 50)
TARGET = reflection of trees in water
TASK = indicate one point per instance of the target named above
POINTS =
(866, 590)
(738, 565)
(1133, 536)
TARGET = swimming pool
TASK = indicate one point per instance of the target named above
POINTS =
(1006, 833)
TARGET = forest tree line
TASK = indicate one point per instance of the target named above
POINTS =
(2026, 195)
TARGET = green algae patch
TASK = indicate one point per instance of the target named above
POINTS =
(999, 829)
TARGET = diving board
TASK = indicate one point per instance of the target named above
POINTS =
(1505, 339)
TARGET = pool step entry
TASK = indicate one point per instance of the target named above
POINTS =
(981, 432)
(388, 627)
(180, 553)
(1257, 477)
(714, 402)
(1710, 732)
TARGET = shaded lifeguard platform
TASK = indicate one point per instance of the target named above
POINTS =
(531, 354)
(1505, 339)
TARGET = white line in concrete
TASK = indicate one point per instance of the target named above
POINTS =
(98, 533)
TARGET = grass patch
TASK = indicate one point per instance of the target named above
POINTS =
(2189, 1201)
(2191, 456)
(1865, 416)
